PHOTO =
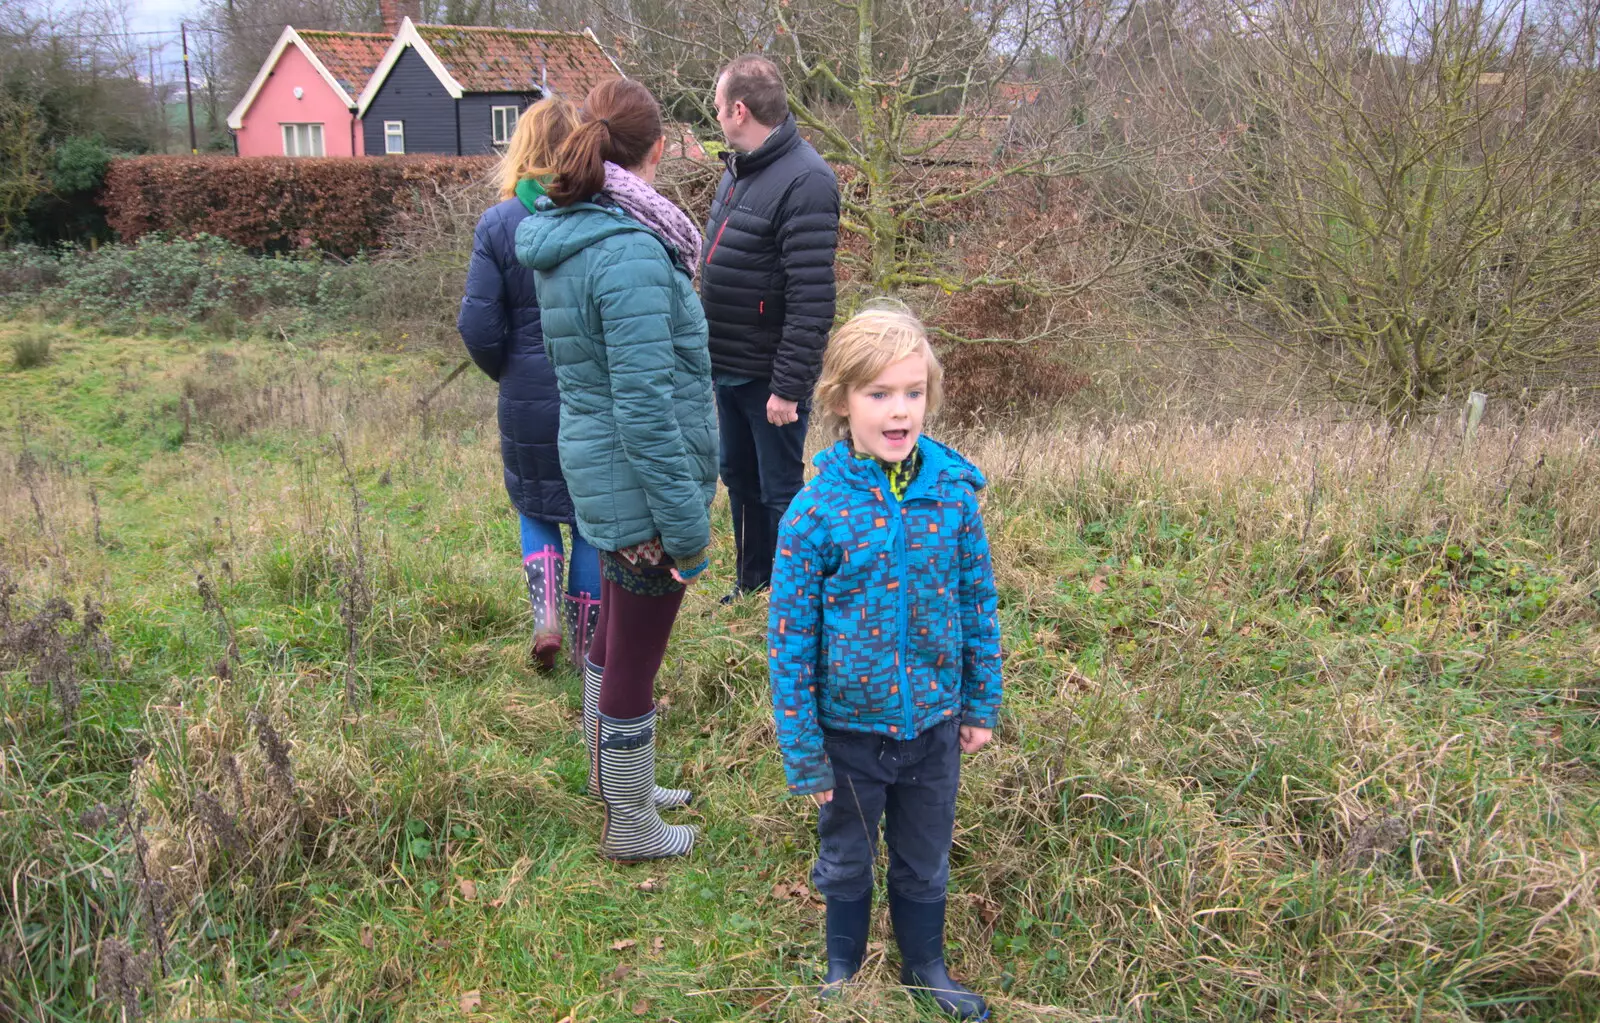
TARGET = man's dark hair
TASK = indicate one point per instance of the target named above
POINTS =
(756, 82)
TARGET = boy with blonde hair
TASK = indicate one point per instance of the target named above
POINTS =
(884, 647)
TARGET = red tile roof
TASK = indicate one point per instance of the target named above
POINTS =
(487, 59)
(978, 139)
(681, 143)
(350, 57)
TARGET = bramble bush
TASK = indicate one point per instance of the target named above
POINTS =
(201, 279)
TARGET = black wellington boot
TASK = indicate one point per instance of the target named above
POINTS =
(919, 931)
(848, 922)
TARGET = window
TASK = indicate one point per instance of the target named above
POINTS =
(394, 136)
(504, 121)
(302, 140)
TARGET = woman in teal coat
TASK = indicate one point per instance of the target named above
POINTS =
(613, 264)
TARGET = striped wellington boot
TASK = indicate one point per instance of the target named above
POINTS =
(664, 798)
(625, 761)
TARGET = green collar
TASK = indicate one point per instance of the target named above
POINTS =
(900, 473)
(530, 191)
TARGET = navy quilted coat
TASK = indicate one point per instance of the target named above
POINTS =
(499, 322)
(883, 612)
(627, 337)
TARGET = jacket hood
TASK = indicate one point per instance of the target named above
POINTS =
(554, 234)
(940, 464)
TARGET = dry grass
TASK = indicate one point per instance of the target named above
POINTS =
(1302, 724)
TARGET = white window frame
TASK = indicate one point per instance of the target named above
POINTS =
(392, 131)
(303, 138)
(503, 123)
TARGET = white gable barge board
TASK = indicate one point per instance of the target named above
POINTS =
(236, 117)
(407, 36)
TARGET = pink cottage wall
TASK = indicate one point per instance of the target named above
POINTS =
(275, 105)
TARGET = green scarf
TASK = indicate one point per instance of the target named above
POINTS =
(529, 190)
(900, 473)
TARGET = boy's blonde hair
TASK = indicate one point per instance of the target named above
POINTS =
(532, 151)
(870, 341)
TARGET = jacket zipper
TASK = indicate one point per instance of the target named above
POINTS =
(897, 510)
(727, 211)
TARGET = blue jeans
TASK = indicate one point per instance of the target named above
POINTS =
(910, 785)
(763, 467)
(583, 568)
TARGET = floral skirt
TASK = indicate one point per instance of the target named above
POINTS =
(644, 568)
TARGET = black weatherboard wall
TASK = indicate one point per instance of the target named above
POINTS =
(411, 93)
(477, 121)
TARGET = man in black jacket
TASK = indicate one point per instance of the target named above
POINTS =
(768, 289)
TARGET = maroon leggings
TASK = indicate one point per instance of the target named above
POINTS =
(630, 640)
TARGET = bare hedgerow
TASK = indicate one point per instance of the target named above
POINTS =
(124, 976)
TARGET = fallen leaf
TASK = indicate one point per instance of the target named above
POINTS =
(471, 1001)
(1098, 584)
(623, 945)
(641, 1007)
(565, 1019)
(468, 889)
(988, 912)
(366, 937)
(658, 945)
(620, 973)
(764, 1001)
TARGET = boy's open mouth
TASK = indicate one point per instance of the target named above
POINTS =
(896, 435)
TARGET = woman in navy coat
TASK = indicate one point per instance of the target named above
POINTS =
(499, 322)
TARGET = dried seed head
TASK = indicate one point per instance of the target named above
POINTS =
(218, 821)
(277, 751)
(124, 975)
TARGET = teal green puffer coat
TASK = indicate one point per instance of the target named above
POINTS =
(627, 337)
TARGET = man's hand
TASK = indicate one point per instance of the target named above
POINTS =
(974, 739)
(822, 797)
(781, 411)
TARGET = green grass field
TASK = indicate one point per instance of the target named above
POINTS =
(1301, 722)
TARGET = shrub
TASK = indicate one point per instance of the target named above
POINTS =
(195, 279)
(277, 204)
(30, 351)
(989, 381)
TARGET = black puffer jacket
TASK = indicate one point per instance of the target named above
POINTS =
(767, 273)
(499, 322)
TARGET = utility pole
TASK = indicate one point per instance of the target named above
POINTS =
(188, 90)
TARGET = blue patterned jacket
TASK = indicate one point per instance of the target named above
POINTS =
(883, 612)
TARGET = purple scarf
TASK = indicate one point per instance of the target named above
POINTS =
(657, 212)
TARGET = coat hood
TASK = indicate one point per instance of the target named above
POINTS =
(939, 464)
(554, 234)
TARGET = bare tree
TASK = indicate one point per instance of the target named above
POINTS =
(1403, 195)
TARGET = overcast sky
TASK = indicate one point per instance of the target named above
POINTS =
(154, 15)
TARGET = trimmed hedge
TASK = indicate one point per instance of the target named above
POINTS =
(276, 204)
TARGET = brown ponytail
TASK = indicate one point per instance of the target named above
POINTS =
(620, 122)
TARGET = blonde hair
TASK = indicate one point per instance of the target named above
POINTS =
(871, 341)
(532, 151)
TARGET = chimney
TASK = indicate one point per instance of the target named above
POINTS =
(393, 11)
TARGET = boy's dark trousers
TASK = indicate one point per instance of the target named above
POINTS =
(763, 466)
(911, 785)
